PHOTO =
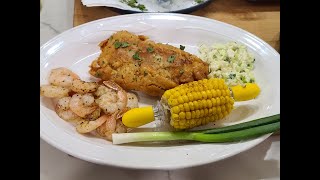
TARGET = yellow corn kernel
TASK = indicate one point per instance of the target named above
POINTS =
(195, 96)
(200, 88)
(181, 107)
(227, 92)
(220, 86)
(201, 113)
(222, 100)
(175, 117)
(214, 93)
(210, 86)
(220, 116)
(204, 103)
(214, 102)
(214, 110)
(176, 109)
(185, 98)
(186, 107)
(180, 100)
(167, 94)
(199, 95)
(218, 92)
(196, 105)
(218, 109)
(223, 93)
(209, 103)
(196, 89)
(190, 97)
(182, 115)
(218, 101)
(188, 115)
(173, 102)
(191, 106)
(215, 85)
(204, 94)
(210, 111)
(183, 92)
(197, 113)
(182, 122)
(223, 108)
(206, 112)
(176, 94)
(200, 104)
(193, 114)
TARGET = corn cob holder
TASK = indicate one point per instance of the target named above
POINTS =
(192, 104)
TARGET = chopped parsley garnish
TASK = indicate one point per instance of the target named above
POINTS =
(134, 4)
(125, 44)
(136, 56)
(181, 71)
(232, 76)
(118, 44)
(171, 58)
(182, 47)
(150, 49)
(251, 80)
(198, 1)
(243, 79)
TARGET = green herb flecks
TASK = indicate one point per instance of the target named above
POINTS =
(134, 4)
(171, 58)
(198, 1)
(150, 49)
(182, 47)
(118, 44)
(136, 56)
(232, 76)
(145, 73)
(181, 71)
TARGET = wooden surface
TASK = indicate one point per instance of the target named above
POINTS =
(261, 19)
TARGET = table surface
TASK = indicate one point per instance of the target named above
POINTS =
(260, 162)
(260, 19)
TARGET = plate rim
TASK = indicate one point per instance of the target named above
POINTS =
(167, 167)
(184, 10)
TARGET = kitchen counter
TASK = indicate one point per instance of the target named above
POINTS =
(260, 162)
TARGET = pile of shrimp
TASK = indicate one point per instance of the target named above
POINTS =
(94, 107)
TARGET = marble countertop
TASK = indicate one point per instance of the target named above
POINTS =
(260, 162)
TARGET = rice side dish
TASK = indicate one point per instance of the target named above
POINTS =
(230, 61)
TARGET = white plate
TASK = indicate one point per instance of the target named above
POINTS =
(78, 47)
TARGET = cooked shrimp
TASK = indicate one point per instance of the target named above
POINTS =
(110, 101)
(62, 77)
(63, 110)
(132, 100)
(83, 105)
(88, 126)
(94, 115)
(108, 127)
(51, 91)
(120, 127)
(83, 87)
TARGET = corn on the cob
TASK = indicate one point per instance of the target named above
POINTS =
(198, 103)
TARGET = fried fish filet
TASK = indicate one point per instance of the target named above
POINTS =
(137, 63)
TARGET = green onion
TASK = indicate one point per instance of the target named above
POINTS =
(233, 133)
(241, 126)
